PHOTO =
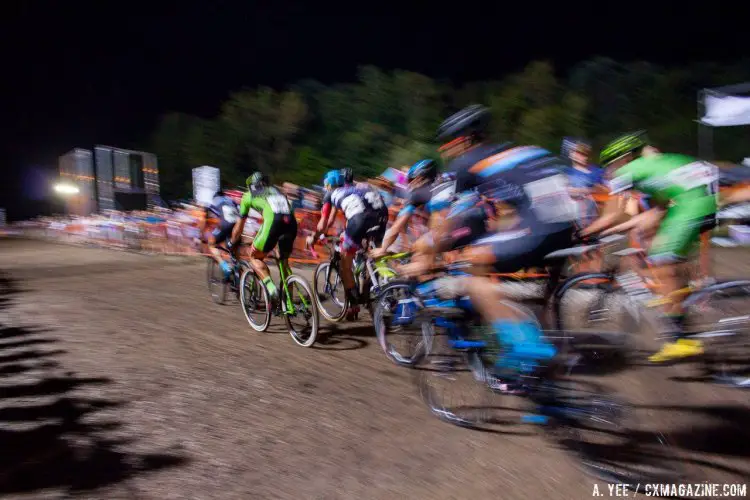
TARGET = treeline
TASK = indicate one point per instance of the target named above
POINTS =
(388, 118)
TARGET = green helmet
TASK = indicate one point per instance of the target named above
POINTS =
(621, 146)
(258, 179)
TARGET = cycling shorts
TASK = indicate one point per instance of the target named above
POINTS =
(678, 236)
(364, 225)
(466, 226)
(524, 248)
(281, 230)
(222, 232)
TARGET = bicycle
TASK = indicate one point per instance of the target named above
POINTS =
(254, 295)
(226, 285)
(581, 414)
(369, 277)
(615, 291)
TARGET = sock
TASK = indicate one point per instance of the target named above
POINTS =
(677, 322)
(225, 267)
(270, 285)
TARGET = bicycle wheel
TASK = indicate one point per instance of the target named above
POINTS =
(447, 382)
(589, 309)
(217, 286)
(387, 304)
(303, 304)
(718, 316)
(255, 301)
(329, 292)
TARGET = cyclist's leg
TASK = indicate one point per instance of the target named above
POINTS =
(675, 241)
(507, 252)
(264, 241)
(218, 236)
(286, 244)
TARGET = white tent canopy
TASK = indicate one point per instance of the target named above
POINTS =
(721, 107)
(726, 106)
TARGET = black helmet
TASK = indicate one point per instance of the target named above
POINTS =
(348, 174)
(470, 120)
(258, 179)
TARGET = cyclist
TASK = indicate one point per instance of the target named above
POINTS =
(279, 226)
(428, 193)
(530, 180)
(365, 213)
(225, 210)
(583, 177)
(683, 193)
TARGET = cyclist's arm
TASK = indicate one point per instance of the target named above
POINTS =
(399, 225)
(239, 226)
(327, 214)
(647, 216)
(615, 210)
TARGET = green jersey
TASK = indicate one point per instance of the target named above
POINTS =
(676, 181)
(268, 201)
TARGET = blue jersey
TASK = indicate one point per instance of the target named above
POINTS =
(225, 209)
(585, 180)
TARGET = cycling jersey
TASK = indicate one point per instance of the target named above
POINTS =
(365, 212)
(279, 224)
(528, 178)
(585, 180)
(268, 201)
(432, 197)
(354, 199)
(688, 188)
(224, 208)
(579, 179)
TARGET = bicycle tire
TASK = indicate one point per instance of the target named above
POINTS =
(418, 349)
(727, 345)
(219, 297)
(605, 285)
(266, 302)
(310, 339)
(320, 269)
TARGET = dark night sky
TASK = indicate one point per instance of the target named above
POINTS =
(79, 73)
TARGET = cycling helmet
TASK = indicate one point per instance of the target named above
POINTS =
(258, 179)
(470, 120)
(348, 175)
(333, 179)
(623, 145)
(423, 168)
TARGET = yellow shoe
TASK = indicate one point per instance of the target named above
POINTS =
(672, 351)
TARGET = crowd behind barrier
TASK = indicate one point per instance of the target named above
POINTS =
(176, 231)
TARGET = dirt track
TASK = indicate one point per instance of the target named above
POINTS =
(119, 378)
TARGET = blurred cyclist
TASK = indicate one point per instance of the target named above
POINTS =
(279, 226)
(366, 215)
(225, 210)
(583, 177)
(530, 180)
(428, 193)
(683, 194)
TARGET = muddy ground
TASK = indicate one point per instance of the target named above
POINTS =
(119, 378)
